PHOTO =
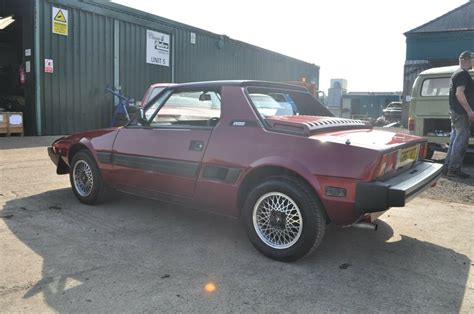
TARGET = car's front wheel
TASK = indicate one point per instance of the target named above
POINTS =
(284, 218)
(86, 181)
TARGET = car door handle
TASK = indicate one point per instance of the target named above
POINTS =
(196, 146)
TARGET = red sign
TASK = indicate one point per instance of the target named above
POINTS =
(48, 66)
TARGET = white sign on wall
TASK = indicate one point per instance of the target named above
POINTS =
(157, 48)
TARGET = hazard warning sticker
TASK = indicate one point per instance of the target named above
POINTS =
(60, 21)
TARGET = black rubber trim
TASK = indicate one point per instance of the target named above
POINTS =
(104, 157)
(221, 173)
(54, 158)
(378, 196)
(61, 167)
(174, 167)
(371, 197)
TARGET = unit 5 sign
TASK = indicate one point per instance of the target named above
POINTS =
(157, 48)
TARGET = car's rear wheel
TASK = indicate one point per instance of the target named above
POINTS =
(284, 218)
(86, 181)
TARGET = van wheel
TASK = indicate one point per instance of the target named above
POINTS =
(284, 219)
(429, 152)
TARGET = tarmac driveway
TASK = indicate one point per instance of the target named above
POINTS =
(135, 255)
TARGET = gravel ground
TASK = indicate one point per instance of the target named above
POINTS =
(449, 189)
(453, 189)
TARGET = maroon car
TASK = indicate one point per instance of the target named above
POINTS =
(267, 152)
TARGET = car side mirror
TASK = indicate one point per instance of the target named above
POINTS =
(142, 118)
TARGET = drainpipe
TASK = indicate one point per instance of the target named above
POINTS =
(173, 48)
(38, 83)
(117, 87)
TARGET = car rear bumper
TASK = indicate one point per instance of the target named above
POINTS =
(379, 196)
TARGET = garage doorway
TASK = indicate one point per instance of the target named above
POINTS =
(17, 88)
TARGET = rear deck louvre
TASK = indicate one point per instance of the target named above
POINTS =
(322, 123)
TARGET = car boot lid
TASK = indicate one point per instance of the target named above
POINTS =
(374, 139)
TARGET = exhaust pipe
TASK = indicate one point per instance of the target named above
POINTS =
(365, 225)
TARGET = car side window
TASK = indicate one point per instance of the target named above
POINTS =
(200, 108)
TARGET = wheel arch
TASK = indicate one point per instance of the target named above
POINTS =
(260, 173)
(75, 148)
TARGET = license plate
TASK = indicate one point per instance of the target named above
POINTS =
(407, 155)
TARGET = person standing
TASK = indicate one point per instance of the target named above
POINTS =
(461, 114)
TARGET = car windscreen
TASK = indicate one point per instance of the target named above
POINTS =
(282, 102)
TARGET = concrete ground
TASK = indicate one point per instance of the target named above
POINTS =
(134, 255)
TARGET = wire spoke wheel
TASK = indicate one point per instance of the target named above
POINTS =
(277, 220)
(83, 178)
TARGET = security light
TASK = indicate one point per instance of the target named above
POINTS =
(5, 21)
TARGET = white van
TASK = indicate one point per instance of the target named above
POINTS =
(429, 109)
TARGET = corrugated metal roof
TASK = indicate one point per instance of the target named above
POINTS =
(459, 19)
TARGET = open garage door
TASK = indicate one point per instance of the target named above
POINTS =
(17, 86)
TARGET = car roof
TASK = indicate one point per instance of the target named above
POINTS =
(443, 70)
(161, 85)
(243, 83)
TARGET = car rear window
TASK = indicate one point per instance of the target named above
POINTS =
(281, 102)
(435, 87)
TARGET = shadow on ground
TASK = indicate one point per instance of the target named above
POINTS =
(16, 142)
(135, 255)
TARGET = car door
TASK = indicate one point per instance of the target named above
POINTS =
(164, 155)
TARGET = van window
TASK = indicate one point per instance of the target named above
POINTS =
(435, 87)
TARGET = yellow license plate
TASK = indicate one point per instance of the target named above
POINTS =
(407, 155)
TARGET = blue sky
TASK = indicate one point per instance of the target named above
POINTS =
(361, 41)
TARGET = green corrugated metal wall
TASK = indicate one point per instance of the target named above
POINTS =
(235, 60)
(135, 74)
(73, 97)
(439, 45)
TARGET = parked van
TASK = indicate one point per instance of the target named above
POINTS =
(429, 109)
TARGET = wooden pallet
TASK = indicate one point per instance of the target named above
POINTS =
(3, 122)
(11, 123)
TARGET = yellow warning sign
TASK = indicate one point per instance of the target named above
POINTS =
(59, 21)
(60, 17)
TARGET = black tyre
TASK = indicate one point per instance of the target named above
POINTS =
(429, 152)
(86, 181)
(284, 218)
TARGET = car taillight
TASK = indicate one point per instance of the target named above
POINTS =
(411, 124)
(388, 164)
(423, 151)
